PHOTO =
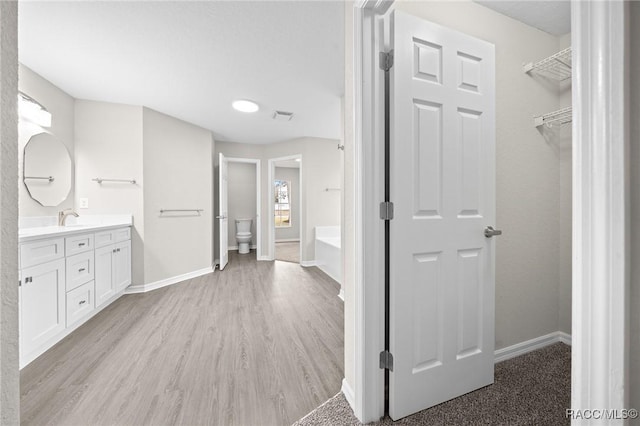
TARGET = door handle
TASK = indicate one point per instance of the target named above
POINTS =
(490, 232)
(221, 217)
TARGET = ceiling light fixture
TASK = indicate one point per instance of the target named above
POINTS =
(31, 110)
(244, 105)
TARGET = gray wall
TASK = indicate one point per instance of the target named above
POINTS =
(292, 175)
(242, 190)
(61, 107)
(9, 372)
(108, 144)
(634, 351)
(177, 175)
(171, 163)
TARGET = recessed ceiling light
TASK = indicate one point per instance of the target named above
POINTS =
(244, 105)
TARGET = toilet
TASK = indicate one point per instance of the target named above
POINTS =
(243, 235)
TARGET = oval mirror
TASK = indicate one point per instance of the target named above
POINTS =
(47, 169)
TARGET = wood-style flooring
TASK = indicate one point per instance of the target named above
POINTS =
(288, 251)
(260, 343)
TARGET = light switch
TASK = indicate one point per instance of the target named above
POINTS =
(84, 203)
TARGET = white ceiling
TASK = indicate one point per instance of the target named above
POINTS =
(191, 59)
(553, 17)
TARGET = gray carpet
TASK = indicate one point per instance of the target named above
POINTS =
(288, 251)
(532, 389)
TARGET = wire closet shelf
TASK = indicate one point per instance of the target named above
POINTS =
(556, 66)
(555, 118)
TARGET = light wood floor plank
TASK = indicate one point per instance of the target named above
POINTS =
(260, 343)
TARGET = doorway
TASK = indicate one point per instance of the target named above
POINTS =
(286, 218)
(286, 210)
(238, 203)
(369, 140)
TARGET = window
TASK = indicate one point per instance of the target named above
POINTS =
(282, 203)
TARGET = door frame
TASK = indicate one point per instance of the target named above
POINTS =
(256, 162)
(367, 399)
(271, 239)
(600, 354)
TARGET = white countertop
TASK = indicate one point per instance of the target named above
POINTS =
(74, 225)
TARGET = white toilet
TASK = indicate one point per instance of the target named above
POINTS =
(243, 235)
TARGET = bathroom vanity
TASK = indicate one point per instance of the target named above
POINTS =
(67, 275)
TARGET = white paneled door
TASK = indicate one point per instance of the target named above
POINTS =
(223, 211)
(442, 177)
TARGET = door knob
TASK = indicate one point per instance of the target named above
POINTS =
(490, 232)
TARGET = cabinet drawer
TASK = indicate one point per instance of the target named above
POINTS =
(113, 236)
(80, 269)
(80, 303)
(122, 234)
(104, 238)
(41, 251)
(78, 244)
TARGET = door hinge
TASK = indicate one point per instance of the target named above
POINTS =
(386, 210)
(386, 360)
(386, 60)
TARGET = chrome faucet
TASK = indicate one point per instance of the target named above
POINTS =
(62, 216)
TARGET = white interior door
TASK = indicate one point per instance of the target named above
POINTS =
(442, 96)
(223, 211)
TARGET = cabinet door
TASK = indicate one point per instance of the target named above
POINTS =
(122, 265)
(104, 266)
(42, 309)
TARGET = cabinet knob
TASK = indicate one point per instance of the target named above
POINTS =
(81, 270)
(80, 244)
(82, 302)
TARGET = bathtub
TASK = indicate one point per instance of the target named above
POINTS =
(328, 253)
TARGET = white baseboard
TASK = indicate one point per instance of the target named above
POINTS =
(307, 263)
(288, 240)
(263, 258)
(348, 394)
(341, 294)
(531, 345)
(167, 281)
(564, 337)
(252, 247)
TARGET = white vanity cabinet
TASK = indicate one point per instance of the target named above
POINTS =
(65, 280)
